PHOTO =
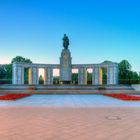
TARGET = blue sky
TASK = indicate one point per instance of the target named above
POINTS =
(98, 30)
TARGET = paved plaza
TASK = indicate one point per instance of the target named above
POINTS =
(42, 123)
(70, 101)
(59, 121)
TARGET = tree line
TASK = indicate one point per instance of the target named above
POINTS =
(126, 74)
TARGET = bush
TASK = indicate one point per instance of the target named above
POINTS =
(5, 81)
(129, 81)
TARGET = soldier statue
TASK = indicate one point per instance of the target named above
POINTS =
(65, 41)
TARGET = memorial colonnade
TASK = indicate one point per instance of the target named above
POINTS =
(33, 77)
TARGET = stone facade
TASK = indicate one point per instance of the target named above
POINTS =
(65, 68)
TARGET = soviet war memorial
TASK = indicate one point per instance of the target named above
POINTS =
(69, 70)
(65, 67)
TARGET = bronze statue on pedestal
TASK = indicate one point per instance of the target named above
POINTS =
(65, 41)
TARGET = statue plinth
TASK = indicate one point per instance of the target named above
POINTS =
(65, 66)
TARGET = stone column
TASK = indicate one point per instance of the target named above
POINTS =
(116, 74)
(48, 76)
(33, 75)
(97, 76)
(93, 76)
(18, 74)
(112, 75)
(45, 76)
(82, 76)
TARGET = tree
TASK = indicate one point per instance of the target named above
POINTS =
(104, 71)
(75, 78)
(6, 74)
(126, 75)
(8, 68)
(21, 59)
(89, 78)
(56, 79)
(41, 80)
(2, 71)
(124, 69)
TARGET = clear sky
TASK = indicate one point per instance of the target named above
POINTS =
(98, 30)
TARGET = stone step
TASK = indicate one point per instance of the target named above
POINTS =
(68, 91)
(65, 89)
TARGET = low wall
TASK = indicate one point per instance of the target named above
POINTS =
(136, 87)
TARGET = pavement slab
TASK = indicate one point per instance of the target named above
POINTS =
(52, 123)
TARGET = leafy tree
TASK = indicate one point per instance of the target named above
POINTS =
(126, 75)
(56, 79)
(21, 59)
(6, 74)
(41, 80)
(104, 70)
(8, 68)
(89, 78)
(75, 77)
(124, 69)
(2, 71)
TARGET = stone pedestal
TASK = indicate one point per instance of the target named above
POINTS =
(65, 66)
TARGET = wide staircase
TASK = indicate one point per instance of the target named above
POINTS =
(66, 89)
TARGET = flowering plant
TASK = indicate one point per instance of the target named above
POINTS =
(124, 97)
(13, 96)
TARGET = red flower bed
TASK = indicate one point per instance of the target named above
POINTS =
(124, 97)
(13, 96)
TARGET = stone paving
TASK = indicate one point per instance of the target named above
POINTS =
(72, 101)
(69, 118)
(42, 123)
